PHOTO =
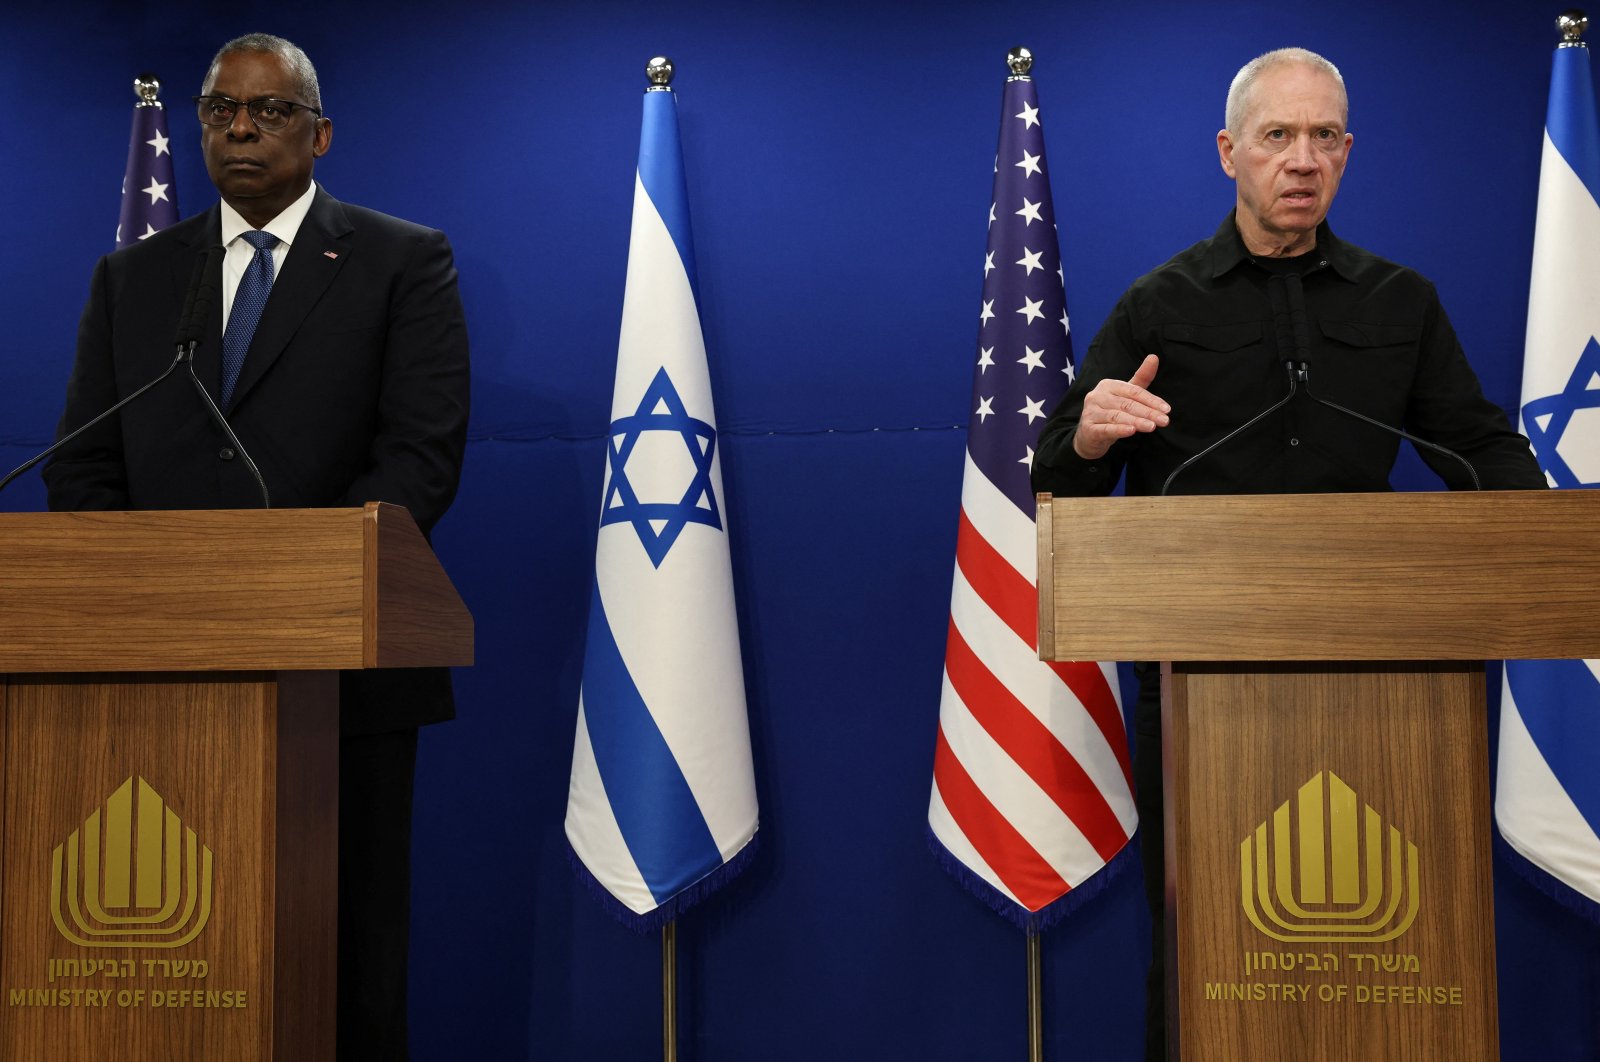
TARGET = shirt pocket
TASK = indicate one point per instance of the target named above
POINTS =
(1216, 338)
(1216, 376)
(1369, 367)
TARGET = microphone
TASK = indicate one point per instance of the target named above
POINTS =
(1293, 298)
(186, 345)
(1294, 321)
(203, 291)
(191, 329)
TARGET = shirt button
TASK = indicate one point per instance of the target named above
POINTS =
(226, 453)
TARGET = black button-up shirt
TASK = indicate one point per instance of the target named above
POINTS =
(1380, 344)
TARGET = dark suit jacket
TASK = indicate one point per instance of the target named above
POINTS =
(355, 389)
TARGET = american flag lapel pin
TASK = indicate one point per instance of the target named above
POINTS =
(331, 254)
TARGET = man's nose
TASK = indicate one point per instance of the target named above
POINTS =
(1302, 155)
(243, 127)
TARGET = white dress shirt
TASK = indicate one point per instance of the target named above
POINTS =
(285, 227)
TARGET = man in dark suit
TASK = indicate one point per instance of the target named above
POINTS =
(339, 354)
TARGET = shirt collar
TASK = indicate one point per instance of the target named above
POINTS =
(286, 226)
(1228, 249)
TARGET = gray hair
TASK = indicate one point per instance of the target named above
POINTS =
(1244, 82)
(299, 64)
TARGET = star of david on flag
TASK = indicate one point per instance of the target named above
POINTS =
(1547, 801)
(661, 807)
(149, 194)
(1032, 788)
(1545, 421)
(658, 523)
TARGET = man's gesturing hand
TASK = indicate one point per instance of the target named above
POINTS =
(1115, 409)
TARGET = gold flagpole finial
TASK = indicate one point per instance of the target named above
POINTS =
(1019, 61)
(1571, 25)
(659, 71)
(147, 87)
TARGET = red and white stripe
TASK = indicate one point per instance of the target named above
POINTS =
(1032, 789)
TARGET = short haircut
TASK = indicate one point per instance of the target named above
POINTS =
(1244, 82)
(305, 75)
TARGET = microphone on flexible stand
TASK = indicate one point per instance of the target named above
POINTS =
(1293, 296)
(197, 280)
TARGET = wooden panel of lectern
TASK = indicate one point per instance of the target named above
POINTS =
(1327, 824)
(169, 776)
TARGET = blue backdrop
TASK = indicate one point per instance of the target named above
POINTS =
(839, 159)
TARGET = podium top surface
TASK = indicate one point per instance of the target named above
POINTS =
(225, 590)
(1463, 576)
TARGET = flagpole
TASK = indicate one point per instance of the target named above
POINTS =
(1035, 1000)
(669, 990)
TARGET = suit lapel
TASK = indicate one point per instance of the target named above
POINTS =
(319, 251)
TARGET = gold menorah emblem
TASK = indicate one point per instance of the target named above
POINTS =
(132, 876)
(1319, 871)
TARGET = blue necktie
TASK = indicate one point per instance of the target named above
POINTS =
(254, 287)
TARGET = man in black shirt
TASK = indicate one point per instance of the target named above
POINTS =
(1206, 342)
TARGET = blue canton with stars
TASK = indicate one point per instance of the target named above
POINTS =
(1024, 340)
(149, 196)
(1546, 419)
(658, 524)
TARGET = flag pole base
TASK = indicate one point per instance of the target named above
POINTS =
(1035, 1000)
(669, 990)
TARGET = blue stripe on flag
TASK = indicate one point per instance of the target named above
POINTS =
(656, 811)
(661, 173)
(1571, 122)
(1560, 701)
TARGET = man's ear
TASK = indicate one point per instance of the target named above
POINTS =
(1225, 152)
(322, 139)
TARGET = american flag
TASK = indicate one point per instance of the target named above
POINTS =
(1032, 792)
(149, 197)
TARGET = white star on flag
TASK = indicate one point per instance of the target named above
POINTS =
(1033, 359)
(1030, 211)
(160, 144)
(985, 409)
(988, 263)
(1034, 410)
(1065, 327)
(1068, 373)
(1030, 259)
(1027, 459)
(156, 191)
(1030, 308)
(991, 214)
(1029, 164)
(988, 312)
(149, 231)
(1029, 116)
(985, 358)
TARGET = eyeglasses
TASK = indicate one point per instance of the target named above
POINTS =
(270, 116)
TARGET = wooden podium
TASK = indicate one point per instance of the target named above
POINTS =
(1329, 888)
(169, 775)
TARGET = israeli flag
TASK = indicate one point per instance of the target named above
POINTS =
(1548, 802)
(662, 803)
